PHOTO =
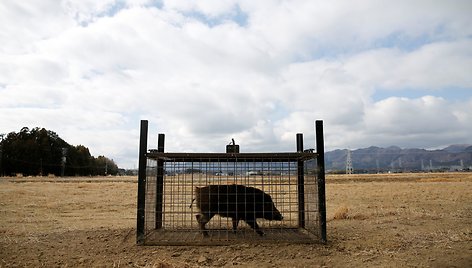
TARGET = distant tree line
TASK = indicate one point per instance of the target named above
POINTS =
(42, 152)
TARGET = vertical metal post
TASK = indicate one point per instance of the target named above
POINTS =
(321, 178)
(159, 181)
(141, 182)
(301, 184)
(1, 154)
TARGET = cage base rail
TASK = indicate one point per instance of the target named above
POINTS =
(219, 237)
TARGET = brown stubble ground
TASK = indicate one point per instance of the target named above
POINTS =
(388, 220)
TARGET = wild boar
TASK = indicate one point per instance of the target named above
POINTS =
(237, 202)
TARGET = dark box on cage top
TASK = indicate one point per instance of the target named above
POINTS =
(232, 149)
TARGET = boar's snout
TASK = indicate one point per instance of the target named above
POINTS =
(278, 216)
(274, 215)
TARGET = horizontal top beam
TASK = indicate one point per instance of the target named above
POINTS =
(231, 157)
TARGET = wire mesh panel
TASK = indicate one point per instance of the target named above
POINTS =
(171, 217)
(225, 198)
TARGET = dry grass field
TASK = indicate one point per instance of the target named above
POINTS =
(388, 220)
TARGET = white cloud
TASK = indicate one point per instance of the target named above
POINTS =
(23, 23)
(90, 70)
(419, 116)
(328, 28)
(423, 121)
(433, 66)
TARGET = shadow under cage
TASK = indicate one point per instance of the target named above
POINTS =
(168, 213)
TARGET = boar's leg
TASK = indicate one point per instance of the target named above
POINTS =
(235, 224)
(255, 226)
(203, 219)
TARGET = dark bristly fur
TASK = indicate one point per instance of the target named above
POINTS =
(237, 202)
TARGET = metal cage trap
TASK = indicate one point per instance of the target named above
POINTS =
(167, 213)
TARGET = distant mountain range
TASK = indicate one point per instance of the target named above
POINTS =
(395, 159)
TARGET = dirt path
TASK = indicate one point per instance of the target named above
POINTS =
(376, 221)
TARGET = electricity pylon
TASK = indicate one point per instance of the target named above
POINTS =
(349, 168)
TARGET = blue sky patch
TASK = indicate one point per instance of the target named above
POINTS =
(450, 93)
(237, 16)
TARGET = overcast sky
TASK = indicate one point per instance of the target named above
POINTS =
(377, 72)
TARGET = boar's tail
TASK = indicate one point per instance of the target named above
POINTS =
(191, 204)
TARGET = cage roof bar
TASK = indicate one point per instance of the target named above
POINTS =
(230, 157)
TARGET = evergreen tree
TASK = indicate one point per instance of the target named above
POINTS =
(41, 152)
